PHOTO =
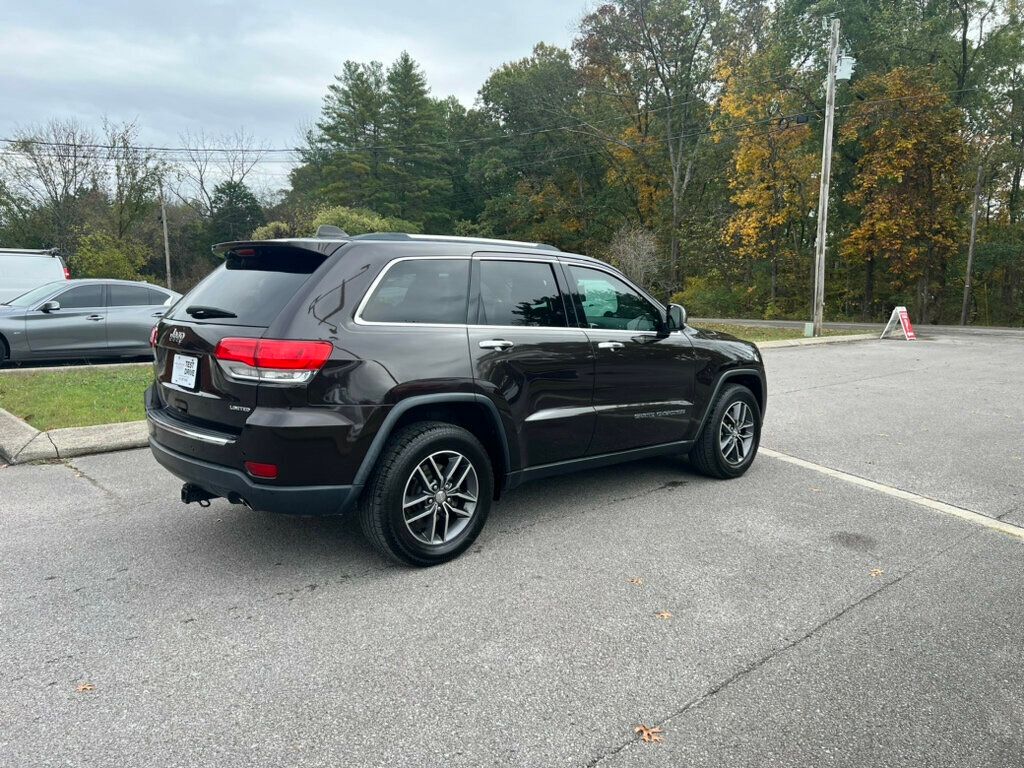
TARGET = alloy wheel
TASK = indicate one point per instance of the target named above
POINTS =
(440, 497)
(736, 433)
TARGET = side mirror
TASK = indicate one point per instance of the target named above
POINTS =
(676, 317)
(49, 306)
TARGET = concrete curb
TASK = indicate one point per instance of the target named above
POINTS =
(818, 340)
(21, 443)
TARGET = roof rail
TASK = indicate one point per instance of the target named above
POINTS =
(397, 236)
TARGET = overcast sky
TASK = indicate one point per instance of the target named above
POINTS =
(220, 64)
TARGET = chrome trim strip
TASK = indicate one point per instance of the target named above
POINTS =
(626, 406)
(194, 434)
(515, 328)
(569, 411)
(564, 412)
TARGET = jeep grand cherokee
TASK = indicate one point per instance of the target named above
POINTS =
(417, 378)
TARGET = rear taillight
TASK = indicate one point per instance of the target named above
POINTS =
(67, 273)
(153, 334)
(272, 360)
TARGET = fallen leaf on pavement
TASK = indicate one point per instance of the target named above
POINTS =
(636, 581)
(648, 734)
(664, 614)
(84, 687)
(876, 572)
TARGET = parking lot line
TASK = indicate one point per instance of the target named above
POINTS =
(933, 504)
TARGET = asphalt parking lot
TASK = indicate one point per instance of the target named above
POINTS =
(814, 622)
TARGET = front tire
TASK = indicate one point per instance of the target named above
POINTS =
(728, 443)
(429, 496)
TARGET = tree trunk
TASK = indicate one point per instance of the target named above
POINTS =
(775, 270)
(922, 299)
(867, 308)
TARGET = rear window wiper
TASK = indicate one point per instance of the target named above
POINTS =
(201, 312)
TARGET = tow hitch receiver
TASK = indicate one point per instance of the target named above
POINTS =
(191, 492)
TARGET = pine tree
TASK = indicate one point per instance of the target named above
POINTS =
(351, 137)
(417, 180)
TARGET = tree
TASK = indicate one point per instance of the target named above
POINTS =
(235, 212)
(418, 186)
(908, 186)
(347, 145)
(656, 58)
(103, 255)
(50, 168)
(212, 160)
(772, 179)
(634, 250)
(135, 177)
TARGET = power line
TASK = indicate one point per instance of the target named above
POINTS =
(189, 150)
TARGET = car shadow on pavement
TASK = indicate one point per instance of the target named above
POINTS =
(232, 535)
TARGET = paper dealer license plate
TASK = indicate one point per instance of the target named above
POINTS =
(184, 371)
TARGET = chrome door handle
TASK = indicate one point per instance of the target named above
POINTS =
(610, 345)
(158, 314)
(496, 344)
(94, 317)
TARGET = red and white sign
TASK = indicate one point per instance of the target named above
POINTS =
(901, 316)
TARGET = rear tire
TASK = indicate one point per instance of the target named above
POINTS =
(728, 443)
(429, 495)
(4, 354)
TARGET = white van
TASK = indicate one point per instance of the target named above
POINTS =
(22, 270)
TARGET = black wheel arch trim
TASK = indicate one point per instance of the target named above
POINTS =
(732, 373)
(406, 404)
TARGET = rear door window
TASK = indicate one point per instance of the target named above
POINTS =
(515, 293)
(157, 297)
(128, 296)
(434, 291)
(254, 288)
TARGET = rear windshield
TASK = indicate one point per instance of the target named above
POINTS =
(254, 288)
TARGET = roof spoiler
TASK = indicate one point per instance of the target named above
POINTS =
(322, 246)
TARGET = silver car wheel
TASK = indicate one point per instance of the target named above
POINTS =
(440, 497)
(736, 433)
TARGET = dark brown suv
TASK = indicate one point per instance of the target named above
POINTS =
(417, 378)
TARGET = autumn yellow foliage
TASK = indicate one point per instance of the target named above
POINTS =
(908, 183)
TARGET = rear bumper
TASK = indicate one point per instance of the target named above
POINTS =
(227, 482)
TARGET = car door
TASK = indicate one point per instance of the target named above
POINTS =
(79, 326)
(528, 355)
(132, 311)
(643, 393)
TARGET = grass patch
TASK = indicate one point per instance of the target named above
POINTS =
(765, 333)
(76, 398)
(761, 333)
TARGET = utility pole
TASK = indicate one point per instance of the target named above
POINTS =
(826, 172)
(167, 247)
(970, 247)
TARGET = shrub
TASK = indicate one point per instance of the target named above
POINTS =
(709, 296)
(101, 255)
(272, 230)
(359, 221)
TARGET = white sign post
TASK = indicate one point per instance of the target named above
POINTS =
(901, 316)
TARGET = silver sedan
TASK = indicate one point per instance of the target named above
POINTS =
(70, 319)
